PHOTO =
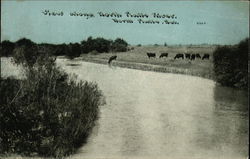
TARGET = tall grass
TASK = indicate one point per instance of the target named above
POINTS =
(48, 113)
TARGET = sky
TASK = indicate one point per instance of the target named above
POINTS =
(226, 22)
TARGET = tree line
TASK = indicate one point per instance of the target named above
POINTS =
(71, 50)
(231, 65)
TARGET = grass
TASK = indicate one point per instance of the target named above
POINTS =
(48, 113)
(137, 59)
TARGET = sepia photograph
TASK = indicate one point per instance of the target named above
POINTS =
(123, 79)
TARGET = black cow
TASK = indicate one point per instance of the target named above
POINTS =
(205, 56)
(151, 54)
(179, 56)
(193, 57)
(112, 58)
(187, 56)
(198, 56)
(163, 54)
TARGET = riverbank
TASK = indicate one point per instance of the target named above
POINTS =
(58, 107)
(136, 58)
(200, 72)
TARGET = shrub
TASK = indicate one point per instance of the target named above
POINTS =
(24, 42)
(99, 44)
(26, 55)
(48, 112)
(7, 48)
(50, 49)
(231, 64)
(74, 50)
(61, 49)
(119, 45)
(103, 45)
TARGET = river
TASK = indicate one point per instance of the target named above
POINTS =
(150, 114)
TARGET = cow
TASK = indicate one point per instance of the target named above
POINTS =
(205, 56)
(187, 56)
(193, 57)
(163, 55)
(198, 56)
(151, 54)
(112, 58)
(179, 56)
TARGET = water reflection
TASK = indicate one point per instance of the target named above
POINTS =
(230, 99)
(231, 120)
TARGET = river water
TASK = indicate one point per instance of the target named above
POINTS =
(150, 114)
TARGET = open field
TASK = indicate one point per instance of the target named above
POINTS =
(138, 59)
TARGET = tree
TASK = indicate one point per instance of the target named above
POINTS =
(26, 55)
(7, 48)
(25, 42)
(121, 41)
(61, 49)
(119, 45)
(99, 44)
(231, 65)
(26, 52)
(74, 50)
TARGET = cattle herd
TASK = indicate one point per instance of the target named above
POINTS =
(177, 56)
(181, 56)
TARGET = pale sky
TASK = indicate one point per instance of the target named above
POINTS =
(227, 22)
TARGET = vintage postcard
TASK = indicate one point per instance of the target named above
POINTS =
(124, 79)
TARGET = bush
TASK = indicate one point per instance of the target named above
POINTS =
(50, 49)
(26, 55)
(231, 65)
(102, 45)
(7, 48)
(48, 112)
(74, 50)
(119, 45)
(99, 44)
(61, 49)
(24, 42)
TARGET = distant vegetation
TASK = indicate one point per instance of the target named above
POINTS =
(231, 65)
(47, 113)
(228, 67)
(72, 50)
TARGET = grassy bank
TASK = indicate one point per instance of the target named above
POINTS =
(137, 59)
(46, 113)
